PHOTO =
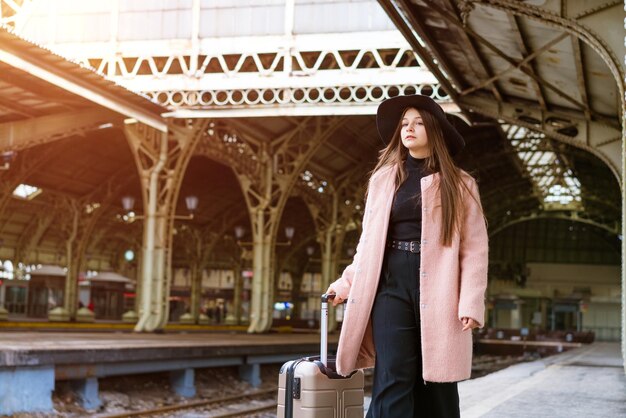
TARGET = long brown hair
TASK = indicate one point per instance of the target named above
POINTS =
(439, 160)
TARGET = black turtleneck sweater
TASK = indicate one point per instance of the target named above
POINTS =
(405, 222)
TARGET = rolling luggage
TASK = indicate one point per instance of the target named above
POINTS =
(310, 387)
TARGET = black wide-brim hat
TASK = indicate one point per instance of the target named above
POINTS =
(390, 111)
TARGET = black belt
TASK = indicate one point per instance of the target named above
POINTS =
(411, 246)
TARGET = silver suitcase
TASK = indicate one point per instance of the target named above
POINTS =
(310, 387)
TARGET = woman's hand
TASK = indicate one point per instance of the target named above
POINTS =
(469, 323)
(336, 300)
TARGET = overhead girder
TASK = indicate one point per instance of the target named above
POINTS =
(301, 77)
(288, 74)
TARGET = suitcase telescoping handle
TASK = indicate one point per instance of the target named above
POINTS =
(324, 328)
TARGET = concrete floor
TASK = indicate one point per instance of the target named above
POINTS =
(585, 382)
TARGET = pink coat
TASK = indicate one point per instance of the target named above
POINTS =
(452, 284)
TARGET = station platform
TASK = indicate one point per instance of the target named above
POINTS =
(35, 360)
(580, 383)
(583, 382)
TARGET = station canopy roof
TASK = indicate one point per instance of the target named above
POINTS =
(533, 187)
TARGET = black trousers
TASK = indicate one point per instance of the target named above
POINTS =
(399, 390)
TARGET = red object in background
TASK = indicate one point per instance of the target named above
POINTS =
(1, 282)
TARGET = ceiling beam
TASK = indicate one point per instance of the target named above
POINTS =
(597, 9)
(21, 60)
(39, 89)
(14, 106)
(519, 66)
(23, 134)
(483, 63)
(521, 43)
(515, 63)
(408, 26)
(580, 75)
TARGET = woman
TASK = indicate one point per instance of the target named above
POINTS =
(415, 288)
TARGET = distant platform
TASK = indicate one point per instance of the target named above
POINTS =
(104, 325)
(30, 324)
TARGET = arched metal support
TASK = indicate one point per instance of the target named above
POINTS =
(199, 244)
(161, 159)
(573, 217)
(267, 171)
(32, 235)
(79, 220)
(331, 214)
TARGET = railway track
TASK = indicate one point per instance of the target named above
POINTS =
(218, 404)
(215, 404)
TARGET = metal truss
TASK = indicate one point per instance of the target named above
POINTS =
(20, 135)
(268, 171)
(334, 206)
(578, 124)
(301, 101)
(308, 74)
(10, 11)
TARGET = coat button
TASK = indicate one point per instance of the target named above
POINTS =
(423, 274)
(423, 305)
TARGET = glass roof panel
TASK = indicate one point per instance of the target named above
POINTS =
(548, 169)
(25, 191)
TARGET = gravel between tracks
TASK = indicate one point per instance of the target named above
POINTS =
(148, 391)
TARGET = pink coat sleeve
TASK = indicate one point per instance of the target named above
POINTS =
(473, 258)
(344, 283)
